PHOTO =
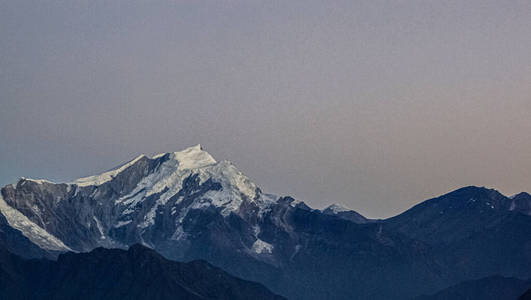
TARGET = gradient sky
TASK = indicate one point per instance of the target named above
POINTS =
(376, 105)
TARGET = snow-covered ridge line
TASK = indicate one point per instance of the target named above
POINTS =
(336, 208)
(107, 176)
(32, 231)
(189, 158)
(38, 181)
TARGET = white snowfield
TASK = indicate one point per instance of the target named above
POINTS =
(193, 158)
(32, 231)
(261, 247)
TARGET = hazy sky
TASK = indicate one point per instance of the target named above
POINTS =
(376, 105)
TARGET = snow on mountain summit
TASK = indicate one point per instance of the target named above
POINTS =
(132, 201)
(336, 208)
(169, 179)
(191, 158)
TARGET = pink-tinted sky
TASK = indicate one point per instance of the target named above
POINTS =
(376, 105)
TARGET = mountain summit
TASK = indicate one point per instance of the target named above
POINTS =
(131, 203)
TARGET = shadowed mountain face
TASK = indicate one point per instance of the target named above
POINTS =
(138, 273)
(453, 216)
(526, 295)
(14, 241)
(187, 206)
(489, 288)
(476, 232)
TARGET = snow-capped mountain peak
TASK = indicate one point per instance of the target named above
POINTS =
(131, 202)
(190, 158)
(177, 168)
(336, 208)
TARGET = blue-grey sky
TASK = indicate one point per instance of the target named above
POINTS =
(376, 105)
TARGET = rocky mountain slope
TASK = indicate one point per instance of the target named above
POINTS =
(477, 232)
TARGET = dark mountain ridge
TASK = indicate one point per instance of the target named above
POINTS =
(488, 288)
(477, 232)
(458, 212)
(138, 273)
